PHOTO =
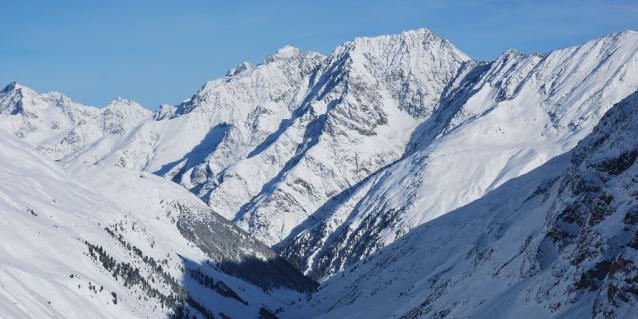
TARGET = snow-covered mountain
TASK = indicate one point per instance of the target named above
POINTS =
(112, 119)
(328, 159)
(331, 158)
(128, 245)
(558, 242)
(59, 126)
(250, 142)
(496, 121)
(38, 118)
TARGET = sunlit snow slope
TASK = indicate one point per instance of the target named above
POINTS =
(496, 121)
(330, 158)
(70, 252)
(558, 242)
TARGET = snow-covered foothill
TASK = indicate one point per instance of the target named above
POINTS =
(114, 251)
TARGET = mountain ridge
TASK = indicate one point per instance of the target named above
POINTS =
(368, 142)
(557, 242)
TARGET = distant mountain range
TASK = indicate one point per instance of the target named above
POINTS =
(498, 189)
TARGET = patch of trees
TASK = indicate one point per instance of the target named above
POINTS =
(265, 314)
(269, 274)
(235, 251)
(182, 312)
(130, 276)
(177, 299)
(217, 286)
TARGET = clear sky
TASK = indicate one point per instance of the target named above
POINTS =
(161, 52)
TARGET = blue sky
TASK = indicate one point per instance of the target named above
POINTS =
(161, 52)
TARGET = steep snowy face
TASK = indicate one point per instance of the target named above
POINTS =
(269, 144)
(117, 116)
(127, 248)
(558, 242)
(355, 117)
(228, 116)
(37, 118)
(56, 125)
(413, 67)
(495, 121)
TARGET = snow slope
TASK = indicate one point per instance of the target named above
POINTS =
(66, 248)
(328, 159)
(299, 126)
(557, 242)
(499, 121)
(37, 118)
(59, 126)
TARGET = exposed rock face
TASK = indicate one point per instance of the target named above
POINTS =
(59, 126)
(558, 242)
(39, 118)
(329, 159)
(592, 227)
(494, 121)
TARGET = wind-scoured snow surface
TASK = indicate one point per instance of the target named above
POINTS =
(66, 247)
(330, 158)
(558, 242)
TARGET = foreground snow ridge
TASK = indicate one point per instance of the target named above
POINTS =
(503, 189)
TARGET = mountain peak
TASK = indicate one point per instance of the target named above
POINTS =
(288, 51)
(239, 69)
(423, 33)
(284, 53)
(627, 32)
(12, 86)
(122, 102)
(127, 108)
(408, 42)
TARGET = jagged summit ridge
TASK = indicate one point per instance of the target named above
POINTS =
(10, 87)
(37, 118)
(312, 153)
(59, 126)
(558, 242)
(499, 121)
(289, 110)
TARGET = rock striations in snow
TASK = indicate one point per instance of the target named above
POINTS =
(59, 126)
(495, 122)
(268, 145)
(328, 159)
(558, 242)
